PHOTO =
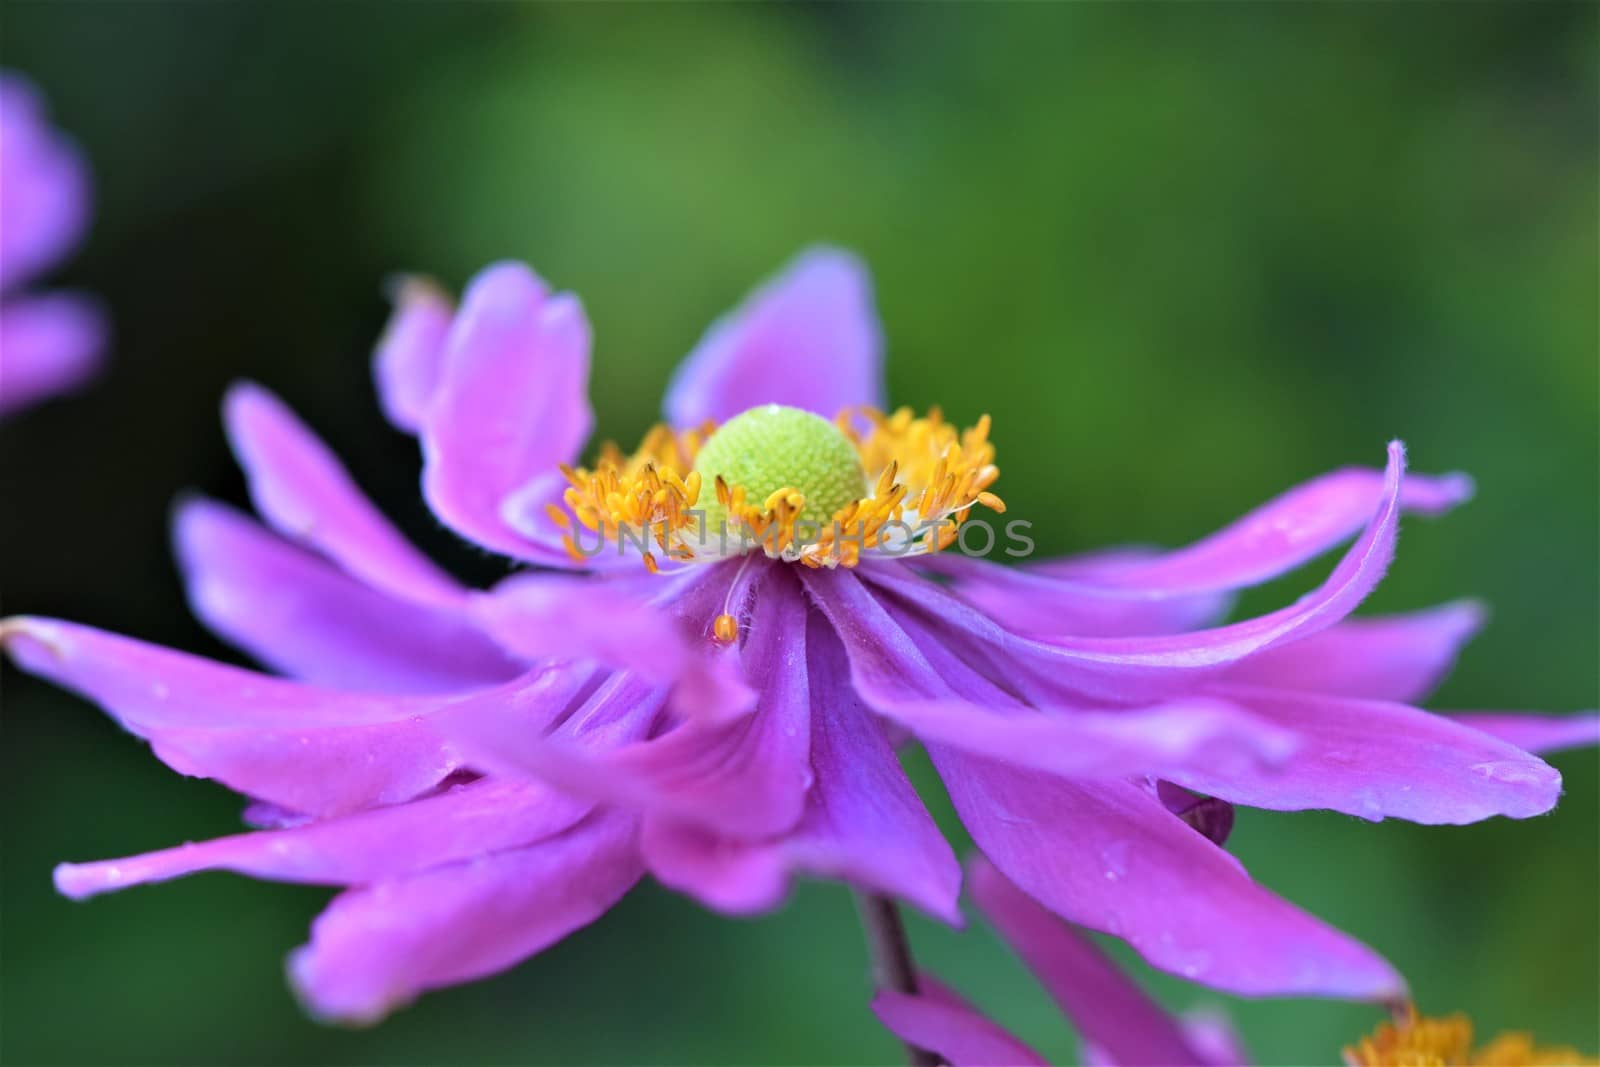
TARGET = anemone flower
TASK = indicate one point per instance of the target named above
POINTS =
(49, 343)
(1121, 1026)
(728, 633)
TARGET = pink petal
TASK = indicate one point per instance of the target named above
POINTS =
(942, 1023)
(1537, 733)
(509, 408)
(863, 822)
(323, 771)
(147, 687)
(1107, 1008)
(1375, 759)
(1136, 668)
(905, 674)
(308, 748)
(300, 487)
(44, 186)
(1110, 857)
(303, 617)
(1282, 534)
(746, 777)
(606, 620)
(1029, 600)
(408, 356)
(1388, 657)
(481, 817)
(49, 345)
(808, 338)
(376, 948)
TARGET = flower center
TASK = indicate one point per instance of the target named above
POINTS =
(784, 482)
(773, 448)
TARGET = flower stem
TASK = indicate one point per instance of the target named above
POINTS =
(890, 952)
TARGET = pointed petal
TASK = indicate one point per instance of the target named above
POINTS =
(1387, 657)
(147, 687)
(303, 617)
(1031, 601)
(376, 948)
(1537, 733)
(808, 338)
(1110, 857)
(1135, 668)
(311, 749)
(1275, 538)
(863, 822)
(899, 667)
(475, 819)
(511, 405)
(301, 489)
(1108, 1009)
(939, 1021)
(49, 344)
(1381, 760)
(406, 363)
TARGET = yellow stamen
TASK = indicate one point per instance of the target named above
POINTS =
(924, 476)
(725, 629)
(1421, 1041)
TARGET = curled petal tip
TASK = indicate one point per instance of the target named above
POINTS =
(80, 881)
(28, 640)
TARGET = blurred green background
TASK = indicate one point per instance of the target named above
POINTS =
(1187, 255)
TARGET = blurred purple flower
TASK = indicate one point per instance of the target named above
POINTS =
(49, 343)
(489, 770)
(1118, 1022)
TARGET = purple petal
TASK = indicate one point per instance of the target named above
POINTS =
(1110, 857)
(1135, 668)
(44, 186)
(1537, 733)
(49, 344)
(1282, 534)
(1034, 602)
(941, 1022)
(323, 771)
(300, 487)
(408, 357)
(376, 948)
(944, 701)
(303, 617)
(1380, 760)
(1107, 1008)
(1390, 657)
(511, 405)
(148, 687)
(557, 616)
(863, 822)
(745, 777)
(315, 750)
(808, 338)
(481, 817)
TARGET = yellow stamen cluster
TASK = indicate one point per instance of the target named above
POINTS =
(1420, 1041)
(930, 474)
(642, 494)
